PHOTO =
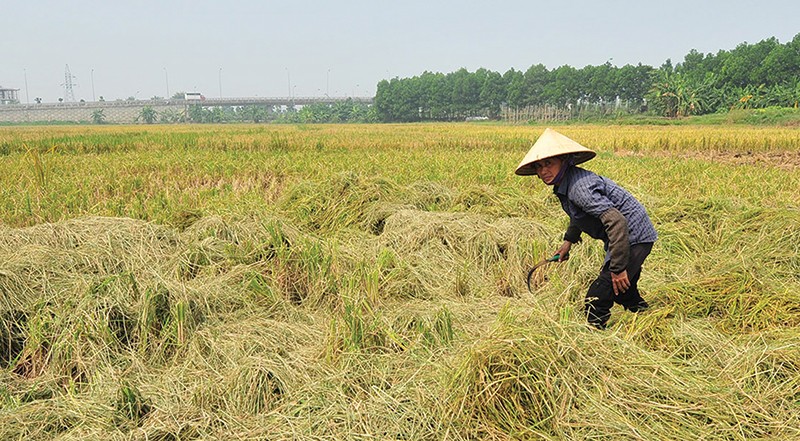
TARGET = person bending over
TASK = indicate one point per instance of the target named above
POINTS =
(602, 209)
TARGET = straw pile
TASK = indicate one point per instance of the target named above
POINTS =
(394, 323)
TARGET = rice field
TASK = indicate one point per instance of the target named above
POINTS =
(259, 282)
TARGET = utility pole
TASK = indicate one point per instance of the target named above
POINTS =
(289, 82)
(166, 78)
(27, 97)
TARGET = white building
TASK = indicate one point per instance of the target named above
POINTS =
(8, 96)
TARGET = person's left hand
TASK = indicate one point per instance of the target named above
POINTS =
(620, 282)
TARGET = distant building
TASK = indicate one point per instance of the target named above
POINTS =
(8, 96)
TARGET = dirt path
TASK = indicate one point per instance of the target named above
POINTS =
(784, 160)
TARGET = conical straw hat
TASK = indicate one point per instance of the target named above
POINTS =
(551, 144)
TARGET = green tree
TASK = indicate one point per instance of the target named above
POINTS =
(701, 83)
(693, 67)
(599, 83)
(170, 116)
(398, 101)
(256, 114)
(674, 96)
(98, 117)
(515, 89)
(465, 93)
(633, 82)
(197, 114)
(435, 96)
(216, 115)
(564, 86)
(782, 64)
(781, 95)
(534, 81)
(384, 98)
(743, 65)
(148, 115)
(492, 94)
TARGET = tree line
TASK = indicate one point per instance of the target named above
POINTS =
(757, 75)
(347, 111)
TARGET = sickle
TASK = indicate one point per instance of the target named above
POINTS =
(543, 262)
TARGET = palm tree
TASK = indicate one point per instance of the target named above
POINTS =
(98, 117)
(148, 115)
(676, 96)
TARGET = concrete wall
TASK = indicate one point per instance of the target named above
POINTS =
(113, 112)
(126, 112)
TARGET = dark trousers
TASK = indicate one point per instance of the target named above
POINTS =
(600, 297)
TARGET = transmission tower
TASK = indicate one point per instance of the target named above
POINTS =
(69, 95)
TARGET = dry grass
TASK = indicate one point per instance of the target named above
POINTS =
(366, 282)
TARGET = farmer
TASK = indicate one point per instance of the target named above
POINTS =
(602, 209)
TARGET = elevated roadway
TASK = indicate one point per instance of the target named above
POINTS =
(126, 111)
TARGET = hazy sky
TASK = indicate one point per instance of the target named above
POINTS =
(145, 48)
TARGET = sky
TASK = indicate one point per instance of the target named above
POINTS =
(246, 48)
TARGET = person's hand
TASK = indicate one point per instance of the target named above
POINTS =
(563, 252)
(620, 282)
